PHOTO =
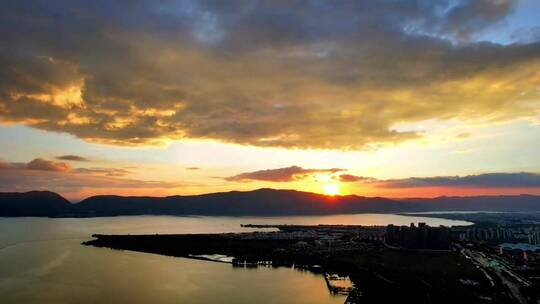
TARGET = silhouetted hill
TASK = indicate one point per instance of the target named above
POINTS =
(257, 202)
(33, 203)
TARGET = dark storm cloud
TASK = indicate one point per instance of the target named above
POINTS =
(287, 174)
(309, 74)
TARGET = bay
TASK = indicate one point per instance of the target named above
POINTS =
(42, 261)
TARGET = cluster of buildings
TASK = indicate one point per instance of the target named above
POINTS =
(419, 237)
(487, 234)
(534, 238)
(318, 232)
(301, 234)
(521, 254)
(519, 245)
(319, 239)
(501, 234)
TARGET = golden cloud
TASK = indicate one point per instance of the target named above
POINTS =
(313, 77)
(286, 174)
(48, 165)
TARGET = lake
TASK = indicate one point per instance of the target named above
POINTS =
(42, 261)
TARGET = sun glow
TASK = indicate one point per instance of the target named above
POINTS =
(331, 189)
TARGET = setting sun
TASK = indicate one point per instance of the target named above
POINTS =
(331, 189)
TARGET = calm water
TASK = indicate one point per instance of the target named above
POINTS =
(42, 261)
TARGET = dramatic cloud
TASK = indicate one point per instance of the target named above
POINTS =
(287, 174)
(47, 165)
(309, 74)
(487, 180)
(73, 158)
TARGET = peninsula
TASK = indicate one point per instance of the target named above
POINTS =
(417, 263)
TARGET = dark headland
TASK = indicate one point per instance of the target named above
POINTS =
(369, 264)
(258, 202)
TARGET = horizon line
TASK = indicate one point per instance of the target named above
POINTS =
(273, 189)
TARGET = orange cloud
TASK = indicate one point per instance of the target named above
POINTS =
(41, 174)
(287, 174)
(48, 165)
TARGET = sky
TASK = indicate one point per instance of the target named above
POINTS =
(390, 98)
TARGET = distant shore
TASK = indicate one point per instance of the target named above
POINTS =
(261, 202)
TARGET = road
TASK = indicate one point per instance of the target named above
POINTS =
(502, 270)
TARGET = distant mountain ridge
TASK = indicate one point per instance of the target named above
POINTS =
(33, 203)
(260, 202)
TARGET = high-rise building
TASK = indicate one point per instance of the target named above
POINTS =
(421, 237)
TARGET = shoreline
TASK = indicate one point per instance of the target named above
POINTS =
(338, 251)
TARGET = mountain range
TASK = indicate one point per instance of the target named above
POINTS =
(260, 202)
